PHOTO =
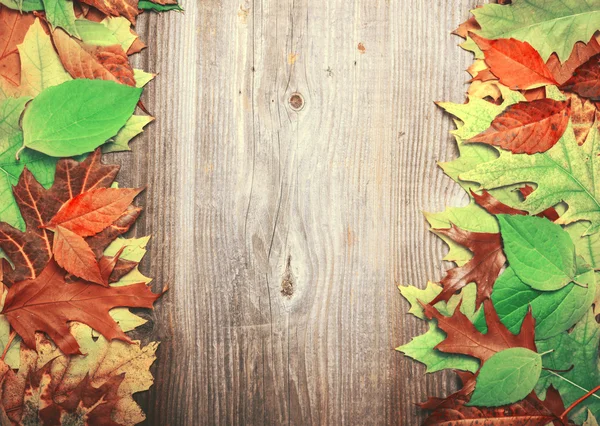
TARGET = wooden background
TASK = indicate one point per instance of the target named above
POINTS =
(285, 229)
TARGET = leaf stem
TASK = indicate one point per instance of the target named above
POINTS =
(579, 401)
(12, 336)
(547, 352)
(17, 155)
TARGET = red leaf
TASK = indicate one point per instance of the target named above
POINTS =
(93, 211)
(463, 338)
(516, 63)
(528, 127)
(47, 304)
(74, 255)
(483, 269)
(581, 53)
(100, 241)
(586, 79)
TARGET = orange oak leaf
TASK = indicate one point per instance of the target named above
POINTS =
(483, 269)
(586, 79)
(93, 211)
(31, 250)
(127, 8)
(48, 303)
(463, 338)
(93, 62)
(13, 27)
(528, 127)
(516, 63)
(581, 53)
(75, 256)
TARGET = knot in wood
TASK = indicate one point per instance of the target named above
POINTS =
(296, 101)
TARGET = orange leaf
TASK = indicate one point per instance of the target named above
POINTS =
(586, 79)
(528, 127)
(13, 27)
(516, 63)
(93, 211)
(581, 54)
(93, 62)
(127, 8)
(74, 255)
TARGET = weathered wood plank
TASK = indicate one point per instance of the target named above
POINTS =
(284, 230)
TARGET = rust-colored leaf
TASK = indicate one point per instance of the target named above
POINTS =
(483, 269)
(74, 255)
(93, 62)
(586, 80)
(581, 53)
(493, 206)
(93, 211)
(47, 304)
(528, 127)
(100, 241)
(13, 27)
(516, 63)
(127, 8)
(584, 116)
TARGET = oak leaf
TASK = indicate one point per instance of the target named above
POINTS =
(483, 268)
(527, 127)
(47, 304)
(586, 79)
(581, 54)
(516, 64)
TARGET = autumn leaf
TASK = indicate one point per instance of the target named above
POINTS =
(581, 54)
(586, 79)
(515, 63)
(527, 127)
(75, 256)
(93, 62)
(584, 116)
(14, 27)
(93, 211)
(126, 8)
(47, 303)
(483, 269)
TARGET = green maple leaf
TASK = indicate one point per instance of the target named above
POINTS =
(60, 13)
(548, 25)
(577, 352)
(566, 172)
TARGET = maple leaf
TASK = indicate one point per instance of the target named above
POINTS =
(127, 8)
(93, 62)
(31, 250)
(527, 127)
(483, 268)
(515, 63)
(586, 79)
(462, 337)
(47, 303)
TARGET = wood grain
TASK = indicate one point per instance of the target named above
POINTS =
(284, 223)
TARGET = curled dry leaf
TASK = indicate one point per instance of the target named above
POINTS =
(528, 127)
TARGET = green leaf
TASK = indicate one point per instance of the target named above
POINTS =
(142, 77)
(548, 25)
(507, 377)
(554, 311)
(134, 126)
(565, 172)
(422, 349)
(11, 139)
(576, 352)
(540, 252)
(60, 13)
(148, 5)
(120, 28)
(95, 33)
(41, 67)
(77, 116)
(23, 5)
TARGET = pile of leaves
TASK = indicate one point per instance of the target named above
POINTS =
(517, 318)
(68, 274)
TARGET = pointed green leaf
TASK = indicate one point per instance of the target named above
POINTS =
(60, 13)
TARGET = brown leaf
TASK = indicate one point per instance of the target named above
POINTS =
(74, 255)
(13, 27)
(102, 240)
(93, 211)
(516, 63)
(47, 304)
(493, 206)
(463, 338)
(93, 62)
(127, 8)
(483, 269)
(581, 54)
(30, 251)
(583, 117)
(586, 79)
(528, 127)
(469, 25)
